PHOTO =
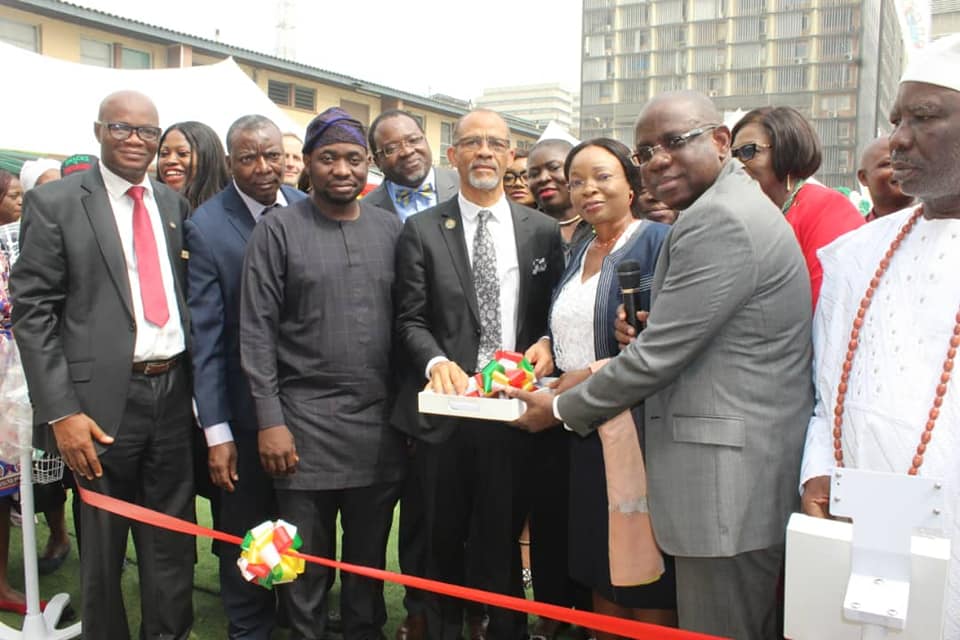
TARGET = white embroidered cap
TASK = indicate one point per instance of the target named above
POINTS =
(938, 64)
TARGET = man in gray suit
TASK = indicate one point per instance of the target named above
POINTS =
(401, 151)
(102, 326)
(411, 185)
(724, 367)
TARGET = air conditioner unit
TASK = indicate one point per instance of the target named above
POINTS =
(800, 61)
(833, 114)
(848, 57)
(713, 93)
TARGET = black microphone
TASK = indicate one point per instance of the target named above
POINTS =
(629, 275)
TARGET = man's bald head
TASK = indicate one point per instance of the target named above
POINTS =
(697, 107)
(686, 145)
(128, 129)
(126, 98)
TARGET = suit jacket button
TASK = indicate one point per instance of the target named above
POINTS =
(477, 332)
(133, 327)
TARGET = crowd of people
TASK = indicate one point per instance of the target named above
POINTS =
(250, 292)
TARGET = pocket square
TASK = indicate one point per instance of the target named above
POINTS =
(539, 265)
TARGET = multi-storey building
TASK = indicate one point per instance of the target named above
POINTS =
(537, 103)
(836, 61)
(945, 17)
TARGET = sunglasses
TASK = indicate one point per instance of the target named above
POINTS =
(747, 152)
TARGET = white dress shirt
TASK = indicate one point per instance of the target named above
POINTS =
(152, 342)
(221, 432)
(501, 229)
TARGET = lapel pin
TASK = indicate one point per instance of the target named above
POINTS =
(184, 254)
(450, 223)
(173, 225)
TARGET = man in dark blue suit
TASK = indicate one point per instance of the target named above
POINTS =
(216, 238)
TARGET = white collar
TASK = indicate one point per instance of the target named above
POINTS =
(255, 207)
(117, 187)
(500, 210)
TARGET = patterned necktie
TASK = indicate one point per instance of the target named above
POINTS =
(487, 285)
(404, 195)
(148, 262)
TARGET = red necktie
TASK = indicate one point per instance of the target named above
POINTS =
(148, 263)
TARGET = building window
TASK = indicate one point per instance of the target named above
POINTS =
(358, 110)
(304, 98)
(96, 53)
(446, 140)
(25, 36)
(279, 92)
(134, 59)
(793, 78)
(750, 82)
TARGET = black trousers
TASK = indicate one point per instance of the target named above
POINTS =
(366, 515)
(545, 490)
(251, 609)
(473, 522)
(412, 537)
(150, 464)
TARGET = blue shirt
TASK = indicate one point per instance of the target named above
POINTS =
(418, 201)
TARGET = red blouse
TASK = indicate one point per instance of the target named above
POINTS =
(819, 215)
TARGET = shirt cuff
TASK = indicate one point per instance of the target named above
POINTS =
(219, 433)
(434, 360)
(556, 411)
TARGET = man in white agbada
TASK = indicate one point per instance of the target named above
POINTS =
(899, 409)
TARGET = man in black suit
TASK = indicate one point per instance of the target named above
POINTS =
(411, 184)
(101, 322)
(474, 274)
(216, 237)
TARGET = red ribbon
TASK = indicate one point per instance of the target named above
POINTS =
(609, 624)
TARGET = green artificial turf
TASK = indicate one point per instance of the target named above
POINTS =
(209, 621)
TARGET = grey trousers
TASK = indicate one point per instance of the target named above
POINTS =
(733, 597)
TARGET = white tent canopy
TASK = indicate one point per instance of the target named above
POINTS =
(55, 103)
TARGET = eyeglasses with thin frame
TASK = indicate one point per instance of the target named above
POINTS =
(510, 178)
(473, 143)
(410, 142)
(121, 131)
(671, 144)
(749, 151)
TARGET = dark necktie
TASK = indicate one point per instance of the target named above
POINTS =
(487, 285)
(148, 262)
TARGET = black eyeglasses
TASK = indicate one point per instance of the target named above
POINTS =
(392, 149)
(473, 143)
(122, 131)
(747, 152)
(510, 178)
(671, 144)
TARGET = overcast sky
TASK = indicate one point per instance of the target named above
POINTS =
(422, 46)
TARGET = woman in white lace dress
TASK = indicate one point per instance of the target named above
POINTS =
(604, 189)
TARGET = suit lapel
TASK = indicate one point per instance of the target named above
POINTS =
(523, 233)
(451, 230)
(96, 204)
(238, 214)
